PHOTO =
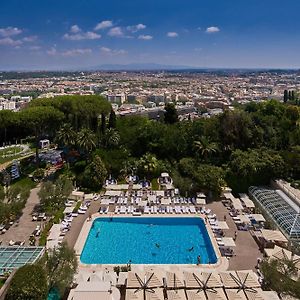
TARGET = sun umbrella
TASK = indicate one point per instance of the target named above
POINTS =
(174, 280)
(195, 295)
(176, 295)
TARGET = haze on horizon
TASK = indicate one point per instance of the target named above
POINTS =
(79, 34)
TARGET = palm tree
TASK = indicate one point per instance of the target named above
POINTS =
(66, 135)
(205, 148)
(111, 138)
(148, 163)
(86, 140)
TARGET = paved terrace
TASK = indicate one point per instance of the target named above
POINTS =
(246, 249)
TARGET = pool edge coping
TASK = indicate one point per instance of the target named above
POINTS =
(221, 263)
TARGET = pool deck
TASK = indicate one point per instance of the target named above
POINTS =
(222, 263)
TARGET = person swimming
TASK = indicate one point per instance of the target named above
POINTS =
(191, 249)
(157, 245)
(98, 232)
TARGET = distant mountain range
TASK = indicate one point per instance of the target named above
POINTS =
(140, 67)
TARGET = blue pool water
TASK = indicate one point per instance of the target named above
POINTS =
(148, 241)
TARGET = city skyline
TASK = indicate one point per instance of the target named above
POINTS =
(87, 34)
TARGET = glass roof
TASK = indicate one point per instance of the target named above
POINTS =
(282, 210)
(12, 257)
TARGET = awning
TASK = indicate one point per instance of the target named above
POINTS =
(228, 196)
(248, 203)
(88, 196)
(273, 235)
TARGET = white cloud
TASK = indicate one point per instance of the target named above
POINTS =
(116, 31)
(103, 25)
(10, 42)
(146, 37)
(9, 31)
(75, 29)
(212, 29)
(109, 51)
(35, 48)
(89, 35)
(76, 52)
(172, 34)
(135, 28)
(30, 39)
(52, 51)
(69, 53)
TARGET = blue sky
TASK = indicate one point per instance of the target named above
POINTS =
(63, 34)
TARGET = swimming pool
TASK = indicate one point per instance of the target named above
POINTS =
(148, 241)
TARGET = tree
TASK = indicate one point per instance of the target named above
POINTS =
(112, 122)
(148, 164)
(40, 120)
(94, 174)
(29, 282)
(253, 167)
(205, 148)
(54, 195)
(86, 140)
(285, 96)
(111, 138)
(66, 136)
(170, 115)
(103, 123)
(278, 277)
(60, 265)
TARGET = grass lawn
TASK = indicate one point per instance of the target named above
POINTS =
(154, 183)
(24, 183)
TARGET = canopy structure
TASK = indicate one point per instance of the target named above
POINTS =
(280, 208)
(223, 225)
(166, 201)
(244, 219)
(13, 257)
(174, 280)
(258, 218)
(228, 242)
(195, 295)
(113, 193)
(215, 294)
(200, 201)
(234, 294)
(236, 203)
(176, 295)
(273, 235)
(117, 187)
(143, 280)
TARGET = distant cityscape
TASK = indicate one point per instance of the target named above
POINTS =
(195, 93)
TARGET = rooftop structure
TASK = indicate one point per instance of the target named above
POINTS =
(280, 208)
(16, 257)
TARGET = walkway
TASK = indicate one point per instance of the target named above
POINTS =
(72, 235)
(246, 249)
(23, 229)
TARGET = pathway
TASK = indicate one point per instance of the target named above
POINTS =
(246, 249)
(23, 229)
